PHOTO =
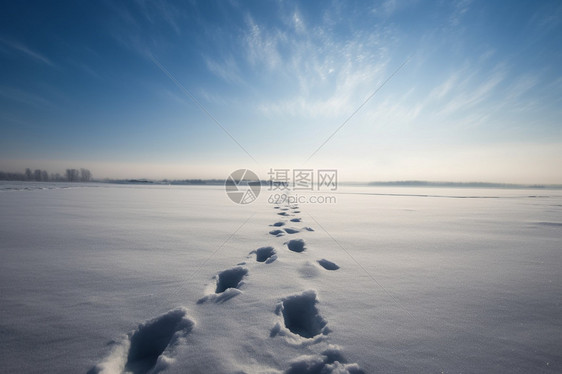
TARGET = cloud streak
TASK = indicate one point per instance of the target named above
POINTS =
(28, 52)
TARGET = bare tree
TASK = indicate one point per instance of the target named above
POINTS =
(85, 175)
(72, 175)
(38, 175)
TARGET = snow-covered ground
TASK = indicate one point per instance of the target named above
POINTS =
(112, 278)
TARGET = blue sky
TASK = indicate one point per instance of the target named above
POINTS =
(99, 85)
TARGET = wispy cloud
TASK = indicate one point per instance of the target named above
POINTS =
(227, 69)
(467, 93)
(140, 25)
(393, 113)
(321, 74)
(388, 8)
(522, 85)
(160, 11)
(460, 8)
(27, 51)
(173, 96)
(24, 97)
(262, 44)
(547, 17)
(445, 88)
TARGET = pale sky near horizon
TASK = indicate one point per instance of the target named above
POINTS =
(97, 85)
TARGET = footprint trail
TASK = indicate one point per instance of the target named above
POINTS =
(151, 347)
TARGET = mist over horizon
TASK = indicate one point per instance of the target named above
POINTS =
(38, 175)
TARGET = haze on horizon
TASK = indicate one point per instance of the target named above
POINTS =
(99, 85)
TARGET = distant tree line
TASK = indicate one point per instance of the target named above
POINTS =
(70, 175)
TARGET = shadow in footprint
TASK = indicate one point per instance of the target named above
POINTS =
(301, 316)
(278, 224)
(277, 232)
(230, 278)
(328, 265)
(296, 245)
(265, 254)
(152, 338)
(296, 220)
(283, 214)
(291, 231)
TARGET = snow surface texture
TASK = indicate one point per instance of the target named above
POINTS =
(150, 349)
(390, 280)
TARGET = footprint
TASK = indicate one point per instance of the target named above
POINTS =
(150, 346)
(283, 214)
(291, 231)
(296, 211)
(308, 270)
(265, 254)
(296, 245)
(300, 315)
(227, 284)
(230, 278)
(277, 232)
(309, 229)
(330, 361)
(328, 265)
(279, 224)
(296, 220)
